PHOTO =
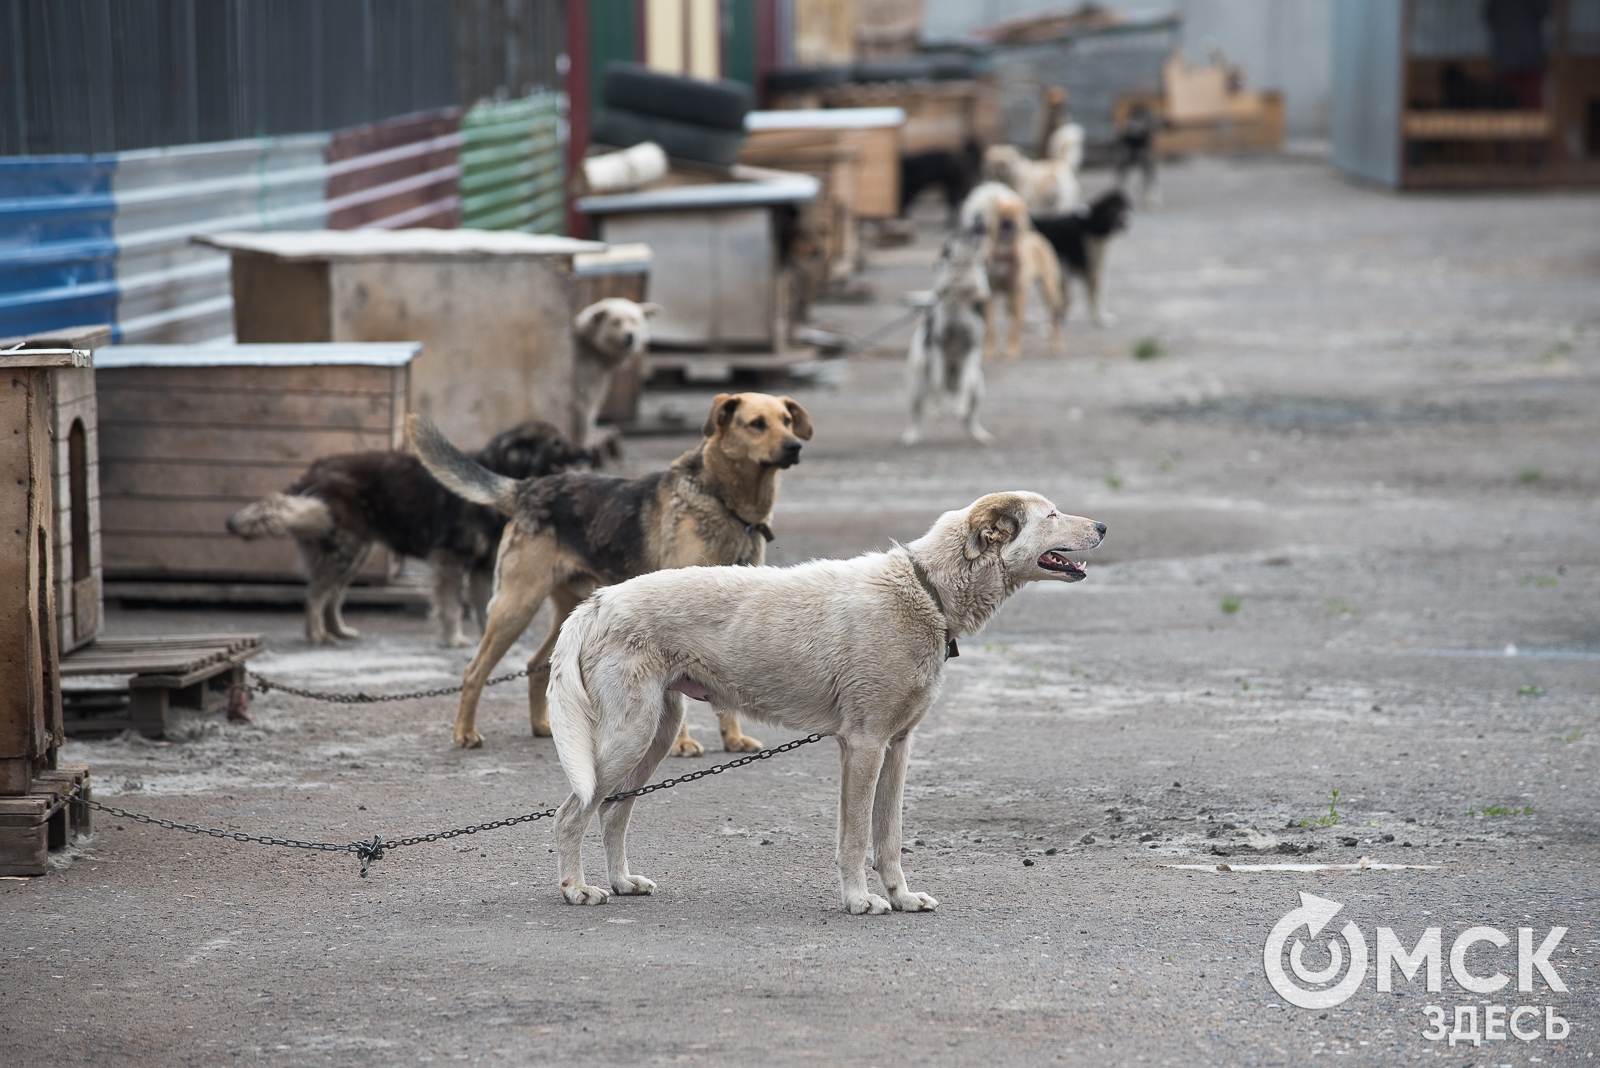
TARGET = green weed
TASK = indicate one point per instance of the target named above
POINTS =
(1530, 691)
(1333, 604)
(1113, 480)
(1501, 810)
(1146, 348)
(1230, 604)
(1530, 474)
(1329, 818)
(1576, 734)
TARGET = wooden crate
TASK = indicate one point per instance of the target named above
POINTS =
(717, 269)
(30, 683)
(939, 115)
(191, 433)
(493, 311)
(869, 137)
(201, 672)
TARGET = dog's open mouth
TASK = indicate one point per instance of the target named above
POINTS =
(1055, 561)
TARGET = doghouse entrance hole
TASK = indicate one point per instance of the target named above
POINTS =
(78, 498)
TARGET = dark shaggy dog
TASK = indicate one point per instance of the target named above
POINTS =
(955, 173)
(345, 503)
(1080, 239)
(1136, 151)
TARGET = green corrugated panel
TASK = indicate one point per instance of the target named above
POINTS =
(511, 173)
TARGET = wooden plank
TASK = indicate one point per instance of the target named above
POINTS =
(274, 301)
(68, 337)
(46, 358)
(1477, 125)
(194, 556)
(331, 377)
(297, 444)
(166, 407)
(294, 593)
(237, 481)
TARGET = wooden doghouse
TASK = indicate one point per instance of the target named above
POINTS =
(37, 806)
(493, 311)
(718, 273)
(192, 433)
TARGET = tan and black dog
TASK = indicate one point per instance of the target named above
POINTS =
(573, 533)
(1017, 259)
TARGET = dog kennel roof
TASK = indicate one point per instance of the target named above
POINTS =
(825, 119)
(368, 353)
(301, 245)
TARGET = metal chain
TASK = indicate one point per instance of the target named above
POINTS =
(377, 847)
(262, 685)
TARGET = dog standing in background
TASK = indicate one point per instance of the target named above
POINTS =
(1080, 240)
(571, 534)
(945, 362)
(345, 504)
(607, 336)
(955, 173)
(1016, 259)
(1136, 150)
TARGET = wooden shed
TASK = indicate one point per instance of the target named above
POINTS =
(36, 809)
(192, 433)
(718, 271)
(493, 311)
(1459, 93)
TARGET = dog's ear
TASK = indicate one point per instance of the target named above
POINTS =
(589, 317)
(722, 408)
(651, 310)
(994, 520)
(802, 420)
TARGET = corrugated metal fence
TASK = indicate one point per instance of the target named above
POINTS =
(106, 238)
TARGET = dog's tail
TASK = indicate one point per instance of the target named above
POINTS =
(573, 717)
(456, 471)
(282, 515)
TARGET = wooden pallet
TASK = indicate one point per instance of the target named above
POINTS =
(201, 672)
(44, 818)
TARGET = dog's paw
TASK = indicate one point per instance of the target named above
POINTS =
(469, 740)
(541, 729)
(457, 641)
(629, 885)
(981, 436)
(741, 743)
(910, 901)
(1105, 318)
(584, 895)
(868, 904)
(346, 631)
(686, 747)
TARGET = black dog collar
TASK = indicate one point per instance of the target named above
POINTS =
(950, 647)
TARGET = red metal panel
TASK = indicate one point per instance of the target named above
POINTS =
(397, 173)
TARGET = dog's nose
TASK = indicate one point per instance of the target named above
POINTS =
(627, 340)
(791, 448)
(1100, 528)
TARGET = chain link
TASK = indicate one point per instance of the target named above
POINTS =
(261, 685)
(375, 848)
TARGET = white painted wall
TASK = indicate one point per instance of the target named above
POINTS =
(1285, 45)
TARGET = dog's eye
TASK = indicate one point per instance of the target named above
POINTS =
(758, 424)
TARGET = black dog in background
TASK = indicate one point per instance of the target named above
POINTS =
(955, 173)
(1080, 239)
(345, 503)
(1136, 150)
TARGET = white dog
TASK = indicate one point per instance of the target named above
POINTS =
(945, 361)
(606, 335)
(852, 648)
(1050, 185)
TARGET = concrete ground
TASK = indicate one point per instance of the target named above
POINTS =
(1359, 473)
